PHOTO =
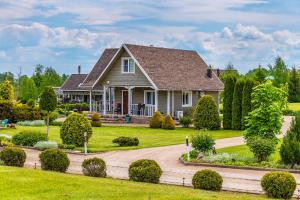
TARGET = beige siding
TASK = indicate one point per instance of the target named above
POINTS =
(117, 78)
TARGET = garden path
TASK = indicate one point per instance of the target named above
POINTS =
(174, 172)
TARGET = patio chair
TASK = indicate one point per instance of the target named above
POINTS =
(4, 122)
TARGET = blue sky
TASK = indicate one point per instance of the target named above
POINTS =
(64, 34)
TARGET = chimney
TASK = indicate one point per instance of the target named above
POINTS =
(79, 69)
(209, 71)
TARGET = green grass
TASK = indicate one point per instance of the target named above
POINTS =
(29, 184)
(102, 137)
(294, 106)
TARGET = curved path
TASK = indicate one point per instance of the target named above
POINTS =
(174, 172)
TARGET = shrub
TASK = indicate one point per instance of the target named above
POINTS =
(185, 121)
(56, 123)
(206, 114)
(66, 146)
(145, 171)
(73, 129)
(262, 148)
(168, 123)
(290, 147)
(95, 167)
(279, 184)
(6, 109)
(96, 121)
(52, 116)
(54, 160)
(13, 156)
(229, 84)
(32, 123)
(23, 112)
(207, 180)
(203, 142)
(126, 141)
(236, 122)
(42, 145)
(30, 103)
(156, 120)
(28, 138)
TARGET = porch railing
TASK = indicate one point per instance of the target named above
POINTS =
(147, 110)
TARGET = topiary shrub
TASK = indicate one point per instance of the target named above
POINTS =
(95, 167)
(279, 184)
(96, 121)
(73, 129)
(156, 120)
(185, 121)
(262, 148)
(206, 114)
(207, 180)
(28, 138)
(126, 141)
(203, 142)
(168, 123)
(54, 160)
(13, 156)
(145, 171)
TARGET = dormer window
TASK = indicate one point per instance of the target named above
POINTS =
(128, 66)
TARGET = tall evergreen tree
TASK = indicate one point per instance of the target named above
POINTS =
(236, 123)
(261, 74)
(246, 102)
(279, 72)
(6, 91)
(227, 100)
(294, 86)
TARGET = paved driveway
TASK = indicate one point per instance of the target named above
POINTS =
(173, 171)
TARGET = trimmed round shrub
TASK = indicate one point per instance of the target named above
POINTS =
(73, 129)
(95, 167)
(28, 138)
(206, 114)
(203, 142)
(156, 120)
(262, 148)
(207, 180)
(54, 160)
(13, 156)
(168, 123)
(126, 141)
(145, 171)
(185, 121)
(279, 184)
(96, 121)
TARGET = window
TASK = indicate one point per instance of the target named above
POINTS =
(149, 97)
(186, 99)
(128, 65)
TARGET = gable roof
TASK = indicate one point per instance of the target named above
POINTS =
(97, 70)
(73, 82)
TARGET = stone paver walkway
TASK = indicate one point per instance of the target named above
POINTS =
(174, 172)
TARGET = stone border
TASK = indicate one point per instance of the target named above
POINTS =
(237, 167)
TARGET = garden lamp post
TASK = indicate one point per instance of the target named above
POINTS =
(85, 143)
(187, 147)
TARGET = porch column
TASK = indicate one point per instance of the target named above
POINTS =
(90, 100)
(129, 100)
(156, 100)
(104, 100)
(168, 103)
(173, 114)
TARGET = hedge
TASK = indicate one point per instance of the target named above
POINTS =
(236, 122)
(126, 141)
(229, 84)
(28, 138)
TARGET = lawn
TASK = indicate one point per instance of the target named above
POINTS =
(294, 106)
(21, 183)
(102, 137)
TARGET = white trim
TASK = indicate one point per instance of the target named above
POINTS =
(190, 93)
(90, 100)
(104, 100)
(138, 64)
(122, 65)
(173, 106)
(145, 91)
(156, 100)
(168, 102)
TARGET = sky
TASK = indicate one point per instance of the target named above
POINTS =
(64, 34)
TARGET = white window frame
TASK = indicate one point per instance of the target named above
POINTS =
(145, 97)
(190, 96)
(122, 65)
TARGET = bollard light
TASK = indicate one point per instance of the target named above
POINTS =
(187, 147)
(85, 143)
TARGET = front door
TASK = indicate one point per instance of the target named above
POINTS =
(125, 102)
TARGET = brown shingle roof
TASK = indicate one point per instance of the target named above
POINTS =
(103, 61)
(72, 83)
(175, 69)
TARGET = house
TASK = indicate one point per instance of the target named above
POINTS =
(139, 80)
